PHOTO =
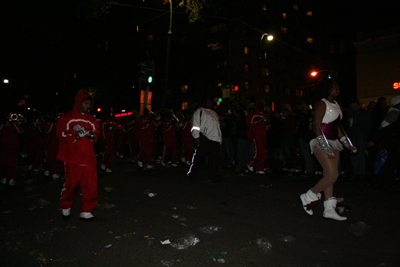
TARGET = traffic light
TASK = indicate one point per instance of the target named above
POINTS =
(149, 71)
(98, 109)
(235, 89)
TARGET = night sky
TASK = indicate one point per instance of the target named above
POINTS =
(44, 43)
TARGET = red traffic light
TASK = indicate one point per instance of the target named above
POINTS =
(235, 89)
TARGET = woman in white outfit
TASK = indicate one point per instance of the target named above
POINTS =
(326, 146)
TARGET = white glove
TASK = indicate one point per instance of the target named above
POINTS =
(78, 128)
(82, 133)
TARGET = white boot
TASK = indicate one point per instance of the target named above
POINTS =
(103, 167)
(4, 180)
(330, 210)
(140, 164)
(46, 173)
(309, 201)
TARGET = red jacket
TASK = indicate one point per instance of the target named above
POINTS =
(147, 128)
(9, 136)
(169, 129)
(73, 150)
(186, 131)
(258, 122)
(132, 130)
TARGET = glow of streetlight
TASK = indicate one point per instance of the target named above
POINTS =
(270, 37)
(314, 73)
(5, 81)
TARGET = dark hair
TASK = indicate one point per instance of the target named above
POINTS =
(325, 85)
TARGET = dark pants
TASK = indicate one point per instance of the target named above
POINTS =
(206, 148)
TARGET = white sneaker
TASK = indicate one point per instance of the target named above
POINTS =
(86, 215)
(140, 164)
(103, 167)
(11, 182)
(163, 164)
(4, 180)
(260, 172)
(149, 166)
(66, 212)
(55, 176)
(46, 173)
(174, 165)
(188, 163)
(183, 160)
(108, 170)
(250, 167)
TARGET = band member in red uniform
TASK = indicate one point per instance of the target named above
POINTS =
(132, 132)
(169, 129)
(187, 138)
(107, 142)
(258, 122)
(51, 144)
(77, 131)
(119, 138)
(147, 130)
(9, 148)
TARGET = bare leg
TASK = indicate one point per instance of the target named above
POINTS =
(330, 171)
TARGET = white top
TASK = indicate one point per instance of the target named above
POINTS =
(332, 111)
(206, 121)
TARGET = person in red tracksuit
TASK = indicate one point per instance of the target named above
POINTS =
(77, 130)
(169, 129)
(258, 122)
(119, 138)
(9, 148)
(107, 142)
(147, 130)
(132, 132)
(50, 145)
(187, 138)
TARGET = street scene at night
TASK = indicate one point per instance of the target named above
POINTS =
(199, 133)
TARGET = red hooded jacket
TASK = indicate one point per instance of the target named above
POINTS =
(258, 122)
(73, 150)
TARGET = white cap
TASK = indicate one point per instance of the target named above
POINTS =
(396, 100)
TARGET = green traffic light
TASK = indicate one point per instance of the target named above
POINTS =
(150, 79)
(220, 100)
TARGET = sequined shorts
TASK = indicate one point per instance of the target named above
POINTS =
(335, 144)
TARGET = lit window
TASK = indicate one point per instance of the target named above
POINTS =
(266, 88)
(184, 88)
(246, 50)
(300, 93)
(265, 71)
(184, 105)
(284, 29)
(219, 84)
(310, 40)
(149, 37)
(265, 7)
(246, 67)
(309, 13)
(284, 15)
(247, 85)
(295, 6)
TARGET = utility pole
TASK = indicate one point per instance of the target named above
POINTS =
(165, 86)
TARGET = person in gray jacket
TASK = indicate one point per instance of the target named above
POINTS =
(207, 135)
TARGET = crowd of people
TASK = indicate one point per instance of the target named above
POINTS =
(253, 138)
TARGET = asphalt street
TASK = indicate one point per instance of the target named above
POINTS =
(159, 218)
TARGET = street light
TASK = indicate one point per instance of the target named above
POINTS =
(315, 73)
(5, 81)
(269, 38)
